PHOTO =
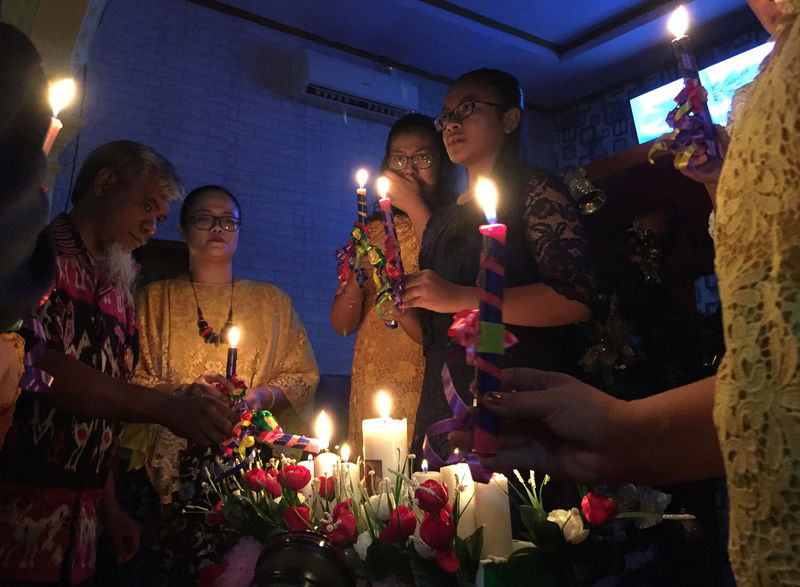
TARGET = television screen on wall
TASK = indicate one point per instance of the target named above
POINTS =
(721, 80)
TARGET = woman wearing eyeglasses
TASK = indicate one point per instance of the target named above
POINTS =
(420, 176)
(184, 323)
(549, 278)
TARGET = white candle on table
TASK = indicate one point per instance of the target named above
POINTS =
(493, 513)
(421, 476)
(325, 463)
(385, 440)
(350, 476)
(455, 476)
(307, 491)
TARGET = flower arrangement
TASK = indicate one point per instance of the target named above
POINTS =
(398, 528)
(578, 546)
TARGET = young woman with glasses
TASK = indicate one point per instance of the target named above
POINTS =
(420, 173)
(184, 325)
(549, 278)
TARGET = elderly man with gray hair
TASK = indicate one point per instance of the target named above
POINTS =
(54, 468)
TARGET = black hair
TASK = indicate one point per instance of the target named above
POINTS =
(127, 160)
(444, 187)
(192, 196)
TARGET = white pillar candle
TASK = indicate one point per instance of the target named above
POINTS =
(493, 513)
(350, 477)
(307, 490)
(385, 440)
(456, 476)
(421, 476)
(325, 463)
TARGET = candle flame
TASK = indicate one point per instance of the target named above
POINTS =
(61, 94)
(233, 337)
(456, 451)
(383, 186)
(384, 403)
(678, 21)
(323, 429)
(361, 177)
(487, 198)
(424, 465)
(345, 452)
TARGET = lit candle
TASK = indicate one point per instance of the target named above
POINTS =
(493, 513)
(385, 440)
(455, 476)
(61, 94)
(361, 195)
(421, 476)
(395, 269)
(325, 462)
(233, 340)
(350, 475)
(678, 24)
(490, 345)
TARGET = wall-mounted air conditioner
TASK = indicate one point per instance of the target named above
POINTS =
(340, 86)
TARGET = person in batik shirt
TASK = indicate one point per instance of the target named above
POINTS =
(54, 466)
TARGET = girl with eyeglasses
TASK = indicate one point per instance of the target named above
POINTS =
(549, 278)
(421, 178)
(184, 325)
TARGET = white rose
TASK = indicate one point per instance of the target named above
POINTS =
(363, 543)
(422, 549)
(571, 524)
(381, 505)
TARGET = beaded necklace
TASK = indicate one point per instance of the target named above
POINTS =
(204, 329)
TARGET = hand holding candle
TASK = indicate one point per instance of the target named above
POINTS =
(233, 340)
(61, 94)
(491, 286)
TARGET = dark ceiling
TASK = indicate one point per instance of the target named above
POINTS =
(559, 50)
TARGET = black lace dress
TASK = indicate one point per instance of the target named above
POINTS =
(546, 244)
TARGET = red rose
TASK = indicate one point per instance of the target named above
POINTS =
(294, 476)
(432, 500)
(447, 560)
(216, 518)
(437, 530)
(296, 518)
(343, 529)
(598, 509)
(255, 479)
(402, 523)
(327, 488)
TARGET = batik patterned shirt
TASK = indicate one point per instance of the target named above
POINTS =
(54, 464)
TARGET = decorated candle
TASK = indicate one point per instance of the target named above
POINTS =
(361, 195)
(385, 440)
(458, 476)
(421, 476)
(61, 94)
(493, 513)
(349, 475)
(394, 263)
(233, 340)
(491, 284)
(693, 95)
(325, 462)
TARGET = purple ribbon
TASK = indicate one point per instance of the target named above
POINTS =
(463, 419)
(34, 379)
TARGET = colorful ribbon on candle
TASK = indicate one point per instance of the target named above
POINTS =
(687, 120)
(465, 330)
(348, 259)
(261, 425)
(463, 419)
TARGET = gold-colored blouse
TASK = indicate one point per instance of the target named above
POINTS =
(273, 349)
(383, 358)
(757, 404)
